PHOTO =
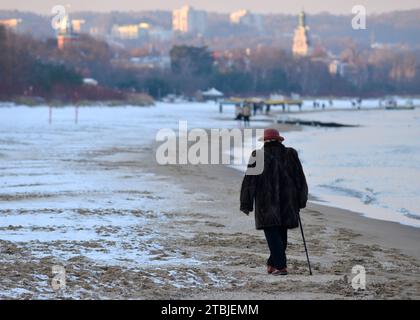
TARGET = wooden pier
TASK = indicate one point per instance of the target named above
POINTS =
(286, 103)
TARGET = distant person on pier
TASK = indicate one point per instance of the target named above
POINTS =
(247, 115)
(238, 112)
(255, 107)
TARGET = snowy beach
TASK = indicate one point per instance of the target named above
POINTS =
(91, 197)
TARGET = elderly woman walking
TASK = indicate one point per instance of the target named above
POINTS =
(279, 192)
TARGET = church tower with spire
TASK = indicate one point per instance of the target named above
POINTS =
(65, 33)
(301, 42)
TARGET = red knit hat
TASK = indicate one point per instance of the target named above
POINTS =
(272, 134)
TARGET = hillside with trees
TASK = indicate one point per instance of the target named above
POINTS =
(35, 70)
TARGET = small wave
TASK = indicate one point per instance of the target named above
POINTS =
(409, 214)
(367, 197)
(401, 150)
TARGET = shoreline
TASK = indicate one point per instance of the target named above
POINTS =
(323, 201)
(133, 99)
(337, 240)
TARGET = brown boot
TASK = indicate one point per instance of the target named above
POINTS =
(279, 272)
(270, 269)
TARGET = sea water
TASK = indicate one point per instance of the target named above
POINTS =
(373, 168)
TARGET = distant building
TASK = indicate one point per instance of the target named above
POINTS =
(189, 20)
(143, 31)
(336, 67)
(301, 41)
(245, 17)
(11, 23)
(77, 25)
(239, 16)
(65, 34)
(90, 82)
(350, 71)
(161, 62)
(160, 34)
(130, 31)
(96, 32)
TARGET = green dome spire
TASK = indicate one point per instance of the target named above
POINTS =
(302, 19)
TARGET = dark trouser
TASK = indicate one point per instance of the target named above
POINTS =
(277, 242)
(246, 120)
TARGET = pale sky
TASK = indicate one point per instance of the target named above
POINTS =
(261, 6)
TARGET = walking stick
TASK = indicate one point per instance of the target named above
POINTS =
(304, 243)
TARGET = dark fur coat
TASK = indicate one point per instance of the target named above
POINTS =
(279, 192)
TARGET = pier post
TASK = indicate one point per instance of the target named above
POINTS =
(76, 115)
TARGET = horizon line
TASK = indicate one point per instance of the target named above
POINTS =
(212, 11)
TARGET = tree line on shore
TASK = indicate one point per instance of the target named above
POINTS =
(37, 68)
(265, 70)
(35, 71)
